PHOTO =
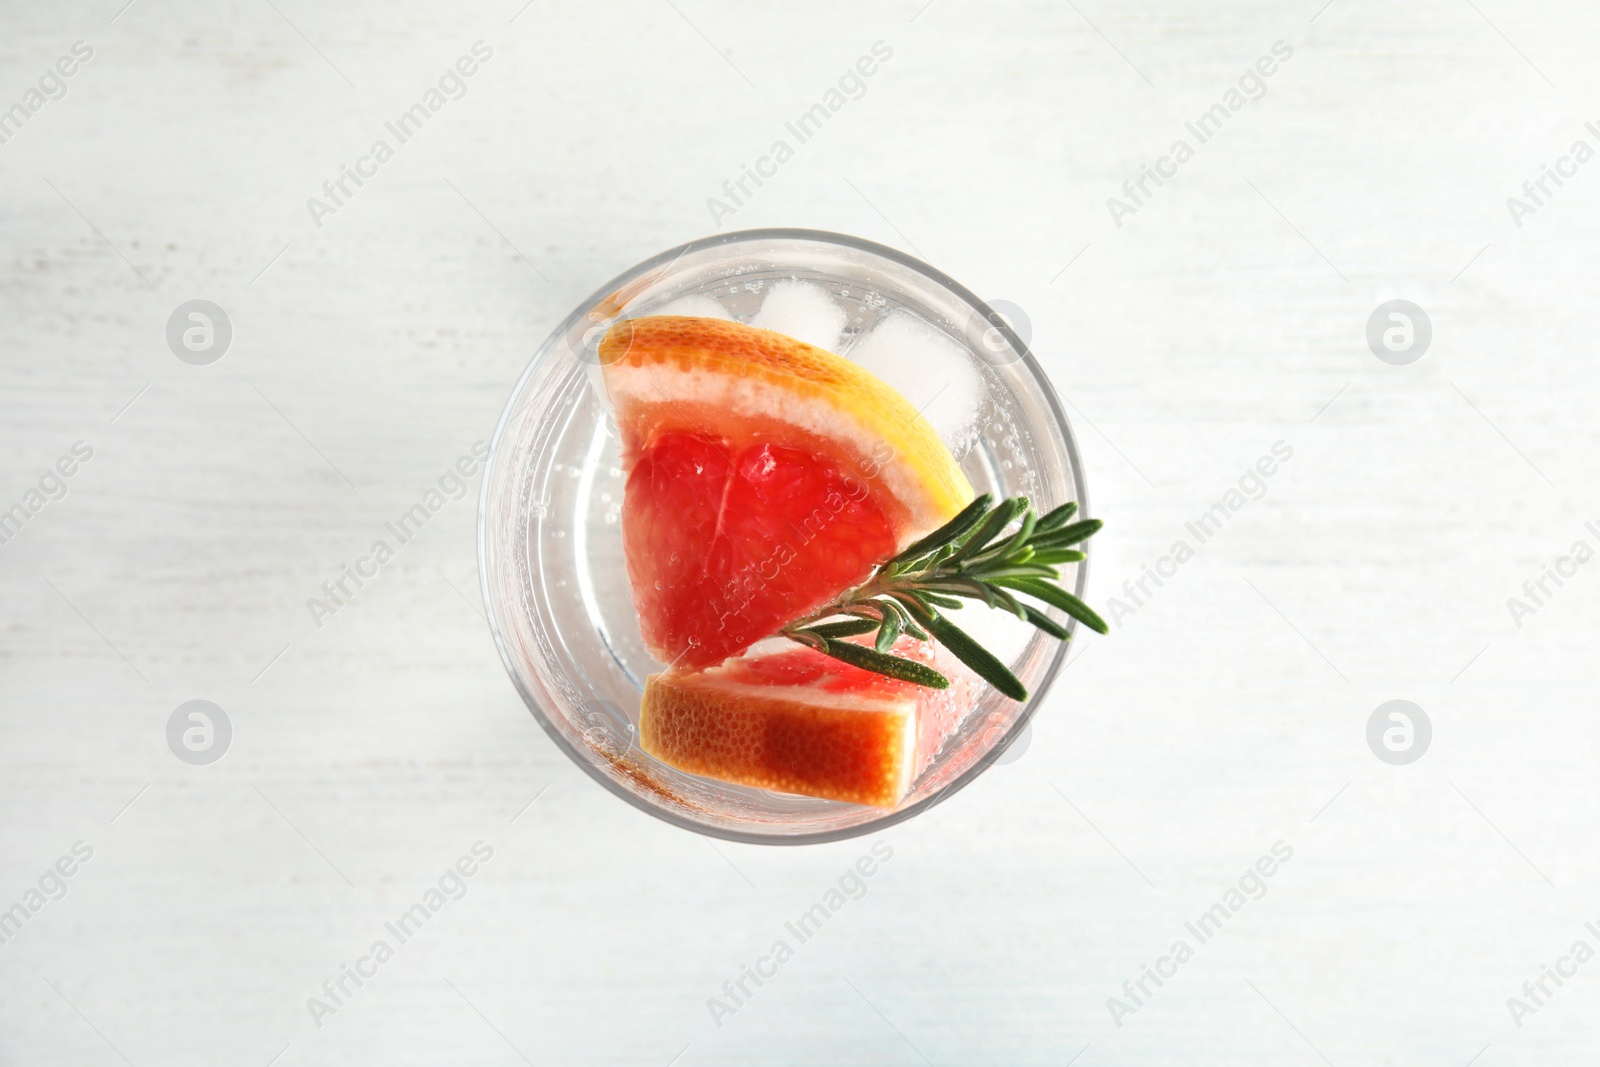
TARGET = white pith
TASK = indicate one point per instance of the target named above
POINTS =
(804, 694)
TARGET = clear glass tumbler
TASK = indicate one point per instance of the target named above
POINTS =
(550, 537)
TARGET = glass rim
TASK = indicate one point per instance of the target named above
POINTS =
(493, 460)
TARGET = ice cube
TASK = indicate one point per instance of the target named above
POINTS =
(803, 311)
(699, 306)
(930, 370)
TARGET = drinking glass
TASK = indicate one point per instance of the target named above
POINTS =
(550, 533)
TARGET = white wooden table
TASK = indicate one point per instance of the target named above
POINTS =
(1228, 711)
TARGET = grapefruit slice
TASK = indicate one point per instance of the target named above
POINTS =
(790, 719)
(765, 476)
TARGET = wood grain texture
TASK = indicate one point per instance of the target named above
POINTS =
(1226, 711)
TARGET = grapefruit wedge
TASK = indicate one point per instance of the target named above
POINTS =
(790, 719)
(765, 476)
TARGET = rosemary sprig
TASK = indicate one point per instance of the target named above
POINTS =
(978, 555)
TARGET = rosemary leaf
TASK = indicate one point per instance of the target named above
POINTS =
(914, 607)
(889, 632)
(1021, 570)
(1057, 517)
(1007, 602)
(890, 666)
(1067, 535)
(1053, 556)
(1019, 540)
(1045, 623)
(1060, 598)
(998, 520)
(980, 659)
(892, 607)
(805, 637)
(971, 588)
(831, 630)
(969, 517)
